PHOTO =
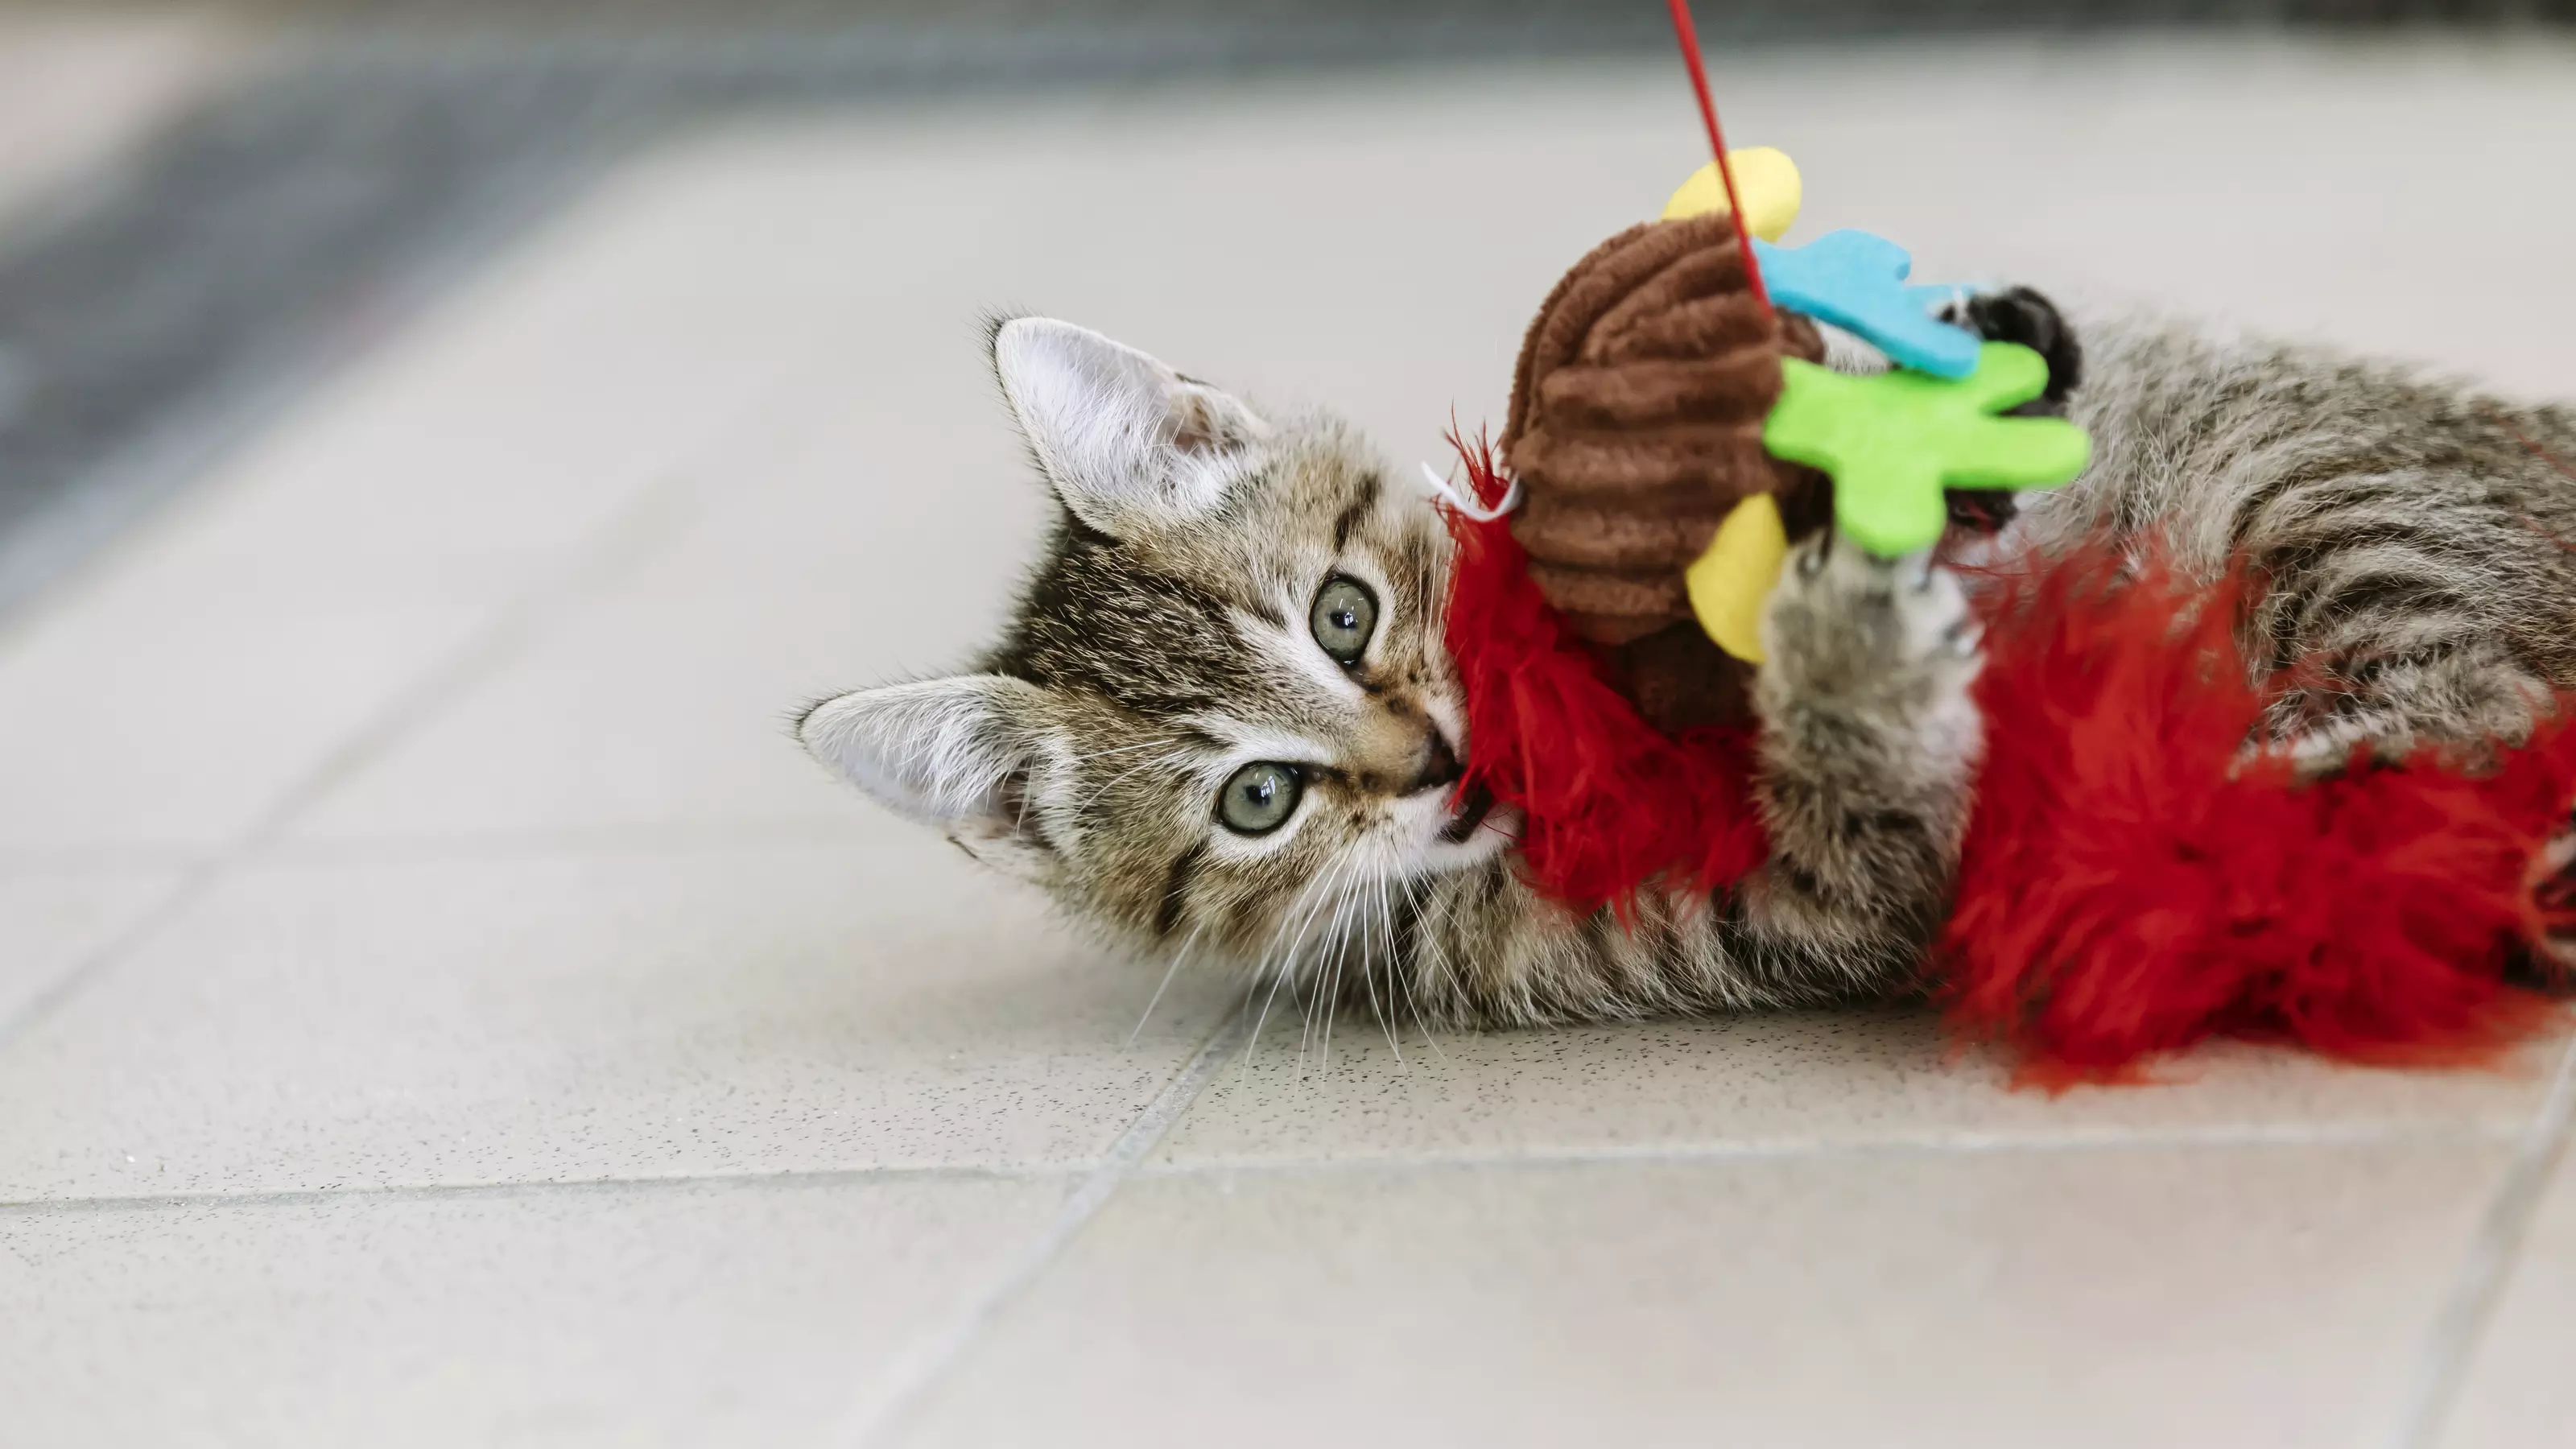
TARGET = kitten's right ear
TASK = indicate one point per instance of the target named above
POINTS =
(1128, 443)
(950, 753)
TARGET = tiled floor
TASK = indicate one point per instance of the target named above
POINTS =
(438, 1006)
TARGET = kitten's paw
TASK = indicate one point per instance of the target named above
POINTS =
(2018, 314)
(1890, 637)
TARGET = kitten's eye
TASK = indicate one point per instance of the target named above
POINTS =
(1260, 797)
(1344, 616)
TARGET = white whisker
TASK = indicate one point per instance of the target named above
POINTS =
(1331, 995)
(1405, 976)
(1386, 922)
(1283, 964)
(1173, 970)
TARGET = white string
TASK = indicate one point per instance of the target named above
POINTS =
(1464, 500)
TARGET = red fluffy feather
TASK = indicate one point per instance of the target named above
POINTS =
(1611, 802)
(2127, 886)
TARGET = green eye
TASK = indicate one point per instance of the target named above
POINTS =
(1344, 616)
(1260, 797)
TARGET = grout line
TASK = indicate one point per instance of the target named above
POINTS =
(2451, 1344)
(442, 1191)
(516, 625)
(2108, 1139)
(191, 885)
(895, 1394)
(511, 626)
(657, 506)
(180, 450)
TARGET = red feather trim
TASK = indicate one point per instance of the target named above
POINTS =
(2128, 885)
(1611, 802)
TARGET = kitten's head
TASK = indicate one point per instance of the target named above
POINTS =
(1223, 715)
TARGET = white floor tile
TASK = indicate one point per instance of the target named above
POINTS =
(650, 710)
(2218, 1298)
(51, 924)
(182, 727)
(1785, 1084)
(861, 543)
(2516, 1392)
(730, 1314)
(734, 1009)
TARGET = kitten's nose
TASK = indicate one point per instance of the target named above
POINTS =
(1439, 765)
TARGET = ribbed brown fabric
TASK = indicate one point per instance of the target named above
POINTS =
(1635, 425)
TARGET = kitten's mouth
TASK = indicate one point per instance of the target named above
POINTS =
(1472, 806)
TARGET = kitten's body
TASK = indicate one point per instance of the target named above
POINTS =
(2409, 534)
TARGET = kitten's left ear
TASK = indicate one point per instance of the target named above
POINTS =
(953, 754)
(1128, 443)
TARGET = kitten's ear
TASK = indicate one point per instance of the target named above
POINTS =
(950, 753)
(1127, 442)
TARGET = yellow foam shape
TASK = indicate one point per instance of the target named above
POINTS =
(1765, 178)
(1728, 583)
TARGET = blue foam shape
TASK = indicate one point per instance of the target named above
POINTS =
(1856, 281)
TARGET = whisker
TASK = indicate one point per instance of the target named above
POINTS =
(1331, 996)
(1281, 971)
(1258, 1022)
(1324, 994)
(1413, 891)
(1386, 922)
(1327, 998)
(1165, 985)
(1328, 988)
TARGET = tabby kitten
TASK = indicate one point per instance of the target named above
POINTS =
(1223, 723)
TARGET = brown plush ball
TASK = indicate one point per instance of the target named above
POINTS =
(1636, 424)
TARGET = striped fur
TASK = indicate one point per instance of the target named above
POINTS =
(2410, 533)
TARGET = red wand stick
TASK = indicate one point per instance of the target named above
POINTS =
(1688, 35)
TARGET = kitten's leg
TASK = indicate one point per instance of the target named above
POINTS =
(2386, 626)
(2471, 702)
(2467, 698)
(1869, 748)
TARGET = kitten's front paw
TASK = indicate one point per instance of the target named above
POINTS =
(1886, 639)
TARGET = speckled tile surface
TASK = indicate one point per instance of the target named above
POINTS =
(1781, 1084)
(2519, 1391)
(490, 1029)
(735, 1007)
(691, 1313)
(57, 922)
(1897, 1298)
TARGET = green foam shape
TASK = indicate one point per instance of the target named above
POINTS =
(1892, 442)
